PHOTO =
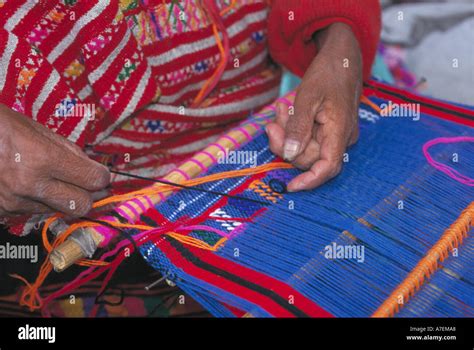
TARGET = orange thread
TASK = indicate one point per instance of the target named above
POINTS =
(265, 191)
(160, 188)
(428, 265)
(224, 54)
(228, 8)
(274, 195)
(200, 96)
(367, 101)
(195, 242)
(30, 296)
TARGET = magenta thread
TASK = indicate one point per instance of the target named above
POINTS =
(452, 173)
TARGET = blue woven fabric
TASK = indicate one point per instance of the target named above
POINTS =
(387, 199)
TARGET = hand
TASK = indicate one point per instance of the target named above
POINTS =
(43, 172)
(325, 120)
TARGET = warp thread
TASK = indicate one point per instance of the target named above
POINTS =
(30, 296)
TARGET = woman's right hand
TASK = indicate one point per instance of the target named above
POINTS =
(42, 172)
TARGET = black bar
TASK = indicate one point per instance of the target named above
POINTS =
(335, 333)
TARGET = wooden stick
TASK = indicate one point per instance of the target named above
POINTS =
(70, 251)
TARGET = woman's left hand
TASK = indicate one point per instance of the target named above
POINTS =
(325, 121)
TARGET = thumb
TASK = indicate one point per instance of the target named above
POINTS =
(299, 128)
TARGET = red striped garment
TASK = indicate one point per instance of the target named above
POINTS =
(130, 70)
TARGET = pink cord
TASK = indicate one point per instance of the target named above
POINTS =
(95, 271)
(454, 174)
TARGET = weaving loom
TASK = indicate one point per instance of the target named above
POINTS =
(239, 244)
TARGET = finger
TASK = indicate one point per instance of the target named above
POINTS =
(78, 171)
(33, 207)
(276, 130)
(70, 164)
(354, 135)
(276, 137)
(299, 127)
(22, 206)
(309, 156)
(321, 171)
(63, 197)
(96, 196)
(58, 139)
(333, 146)
(282, 115)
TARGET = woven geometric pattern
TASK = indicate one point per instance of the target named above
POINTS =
(345, 246)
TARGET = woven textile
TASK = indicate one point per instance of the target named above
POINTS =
(121, 76)
(388, 201)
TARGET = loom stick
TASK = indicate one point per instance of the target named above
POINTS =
(450, 239)
(84, 242)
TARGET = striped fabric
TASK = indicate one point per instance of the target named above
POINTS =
(130, 69)
(110, 54)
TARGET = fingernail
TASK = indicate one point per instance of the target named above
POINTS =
(290, 150)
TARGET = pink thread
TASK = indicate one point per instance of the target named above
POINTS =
(231, 139)
(162, 197)
(214, 160)
(123, 214)
(452, 173)
(139, 203)
(131, 209)
(243, 131)
(236, 231)
(107, 232)
(285, 101)
(198, 163)
(149, 202)
(220, 147)
(94, 271)
(186, 176)
(255, 125)
(84, 277)
(114, 266)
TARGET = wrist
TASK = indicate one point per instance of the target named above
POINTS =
(337, 38)
(330, 33)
